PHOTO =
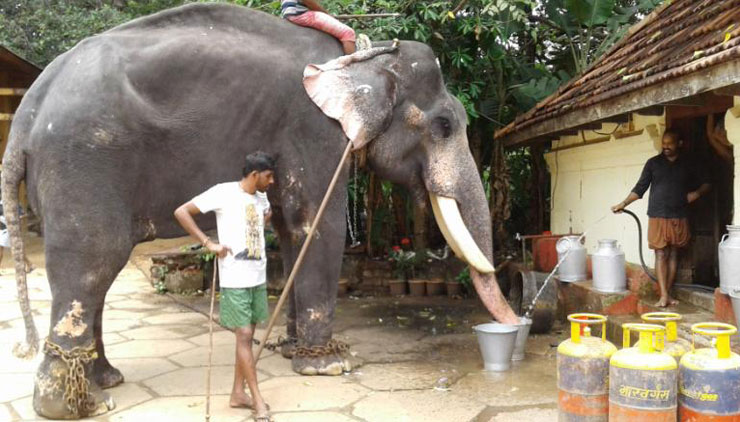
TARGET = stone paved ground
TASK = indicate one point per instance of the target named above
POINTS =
(402, 348)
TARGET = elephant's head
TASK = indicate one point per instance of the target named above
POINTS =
(392, 100)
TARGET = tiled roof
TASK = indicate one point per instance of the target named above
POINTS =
(679, 38)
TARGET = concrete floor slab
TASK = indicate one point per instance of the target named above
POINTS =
(528, 415)
(177, 318)
(5, 414)
(161, 332)
(182, 409)
(312, 417)
(405, 376)
(416, 406)
(116, 325)
(147, 348)
(128, 395)
(296, 393)
(276, 365)
(14, 365)
(15, 386)
(223, 354)
(139, 369)
(220, 337)
(133, 304)
(529, 382)
(192, 381)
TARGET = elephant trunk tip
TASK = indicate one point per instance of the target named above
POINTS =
(26, 350)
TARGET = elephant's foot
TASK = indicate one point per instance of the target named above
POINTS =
(49, 398)
(105, 375)
(323, 365)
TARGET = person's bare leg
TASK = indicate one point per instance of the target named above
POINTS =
(672, 253)
(29, 266)
(348, 47)
(246, 361)
(238, 397)
(661, 268)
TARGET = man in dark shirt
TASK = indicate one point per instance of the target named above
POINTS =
(671, 183)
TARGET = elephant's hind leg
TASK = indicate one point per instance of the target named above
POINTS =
(81, 268)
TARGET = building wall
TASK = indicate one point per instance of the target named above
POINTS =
(587, 180)
(732, 125)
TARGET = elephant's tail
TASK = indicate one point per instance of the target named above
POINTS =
(13, 173)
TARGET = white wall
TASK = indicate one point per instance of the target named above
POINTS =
(587, 180)
(732, 125)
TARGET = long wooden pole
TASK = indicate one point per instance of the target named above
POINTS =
(304, 248)
(210, 340)
(368, 15)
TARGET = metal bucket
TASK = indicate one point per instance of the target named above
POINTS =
(609, 267)
(496, 342)
(735, 297)
(573, 266)
(729, 260)
(521, 338)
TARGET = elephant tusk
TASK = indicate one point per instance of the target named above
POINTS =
(457, 235)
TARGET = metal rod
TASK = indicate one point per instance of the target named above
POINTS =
(210, 340)
(304, 248)
(368, 15)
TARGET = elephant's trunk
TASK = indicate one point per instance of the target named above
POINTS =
(461, 211)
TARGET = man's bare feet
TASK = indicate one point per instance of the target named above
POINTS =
(666, 301)
(241, 401)
(262, 412)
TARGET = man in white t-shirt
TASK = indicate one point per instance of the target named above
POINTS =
(242, 210)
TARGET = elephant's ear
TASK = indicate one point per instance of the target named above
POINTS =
(355, 91)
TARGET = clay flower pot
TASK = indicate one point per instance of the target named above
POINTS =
(435, 287)
(453, 288)
(398, 287)
(417, 287)
(343, 287)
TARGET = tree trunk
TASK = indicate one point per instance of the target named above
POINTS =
(500, 195)
(538, 187)
(370, 208)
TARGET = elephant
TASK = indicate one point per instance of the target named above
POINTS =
(128, 124)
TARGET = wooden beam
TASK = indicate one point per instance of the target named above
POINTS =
(6, 116)
(651, 111)
(619, 118)
(729, 91)
(12, 92)
(584, 143)
(708, 79)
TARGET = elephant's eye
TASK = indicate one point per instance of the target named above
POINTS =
(442, 127)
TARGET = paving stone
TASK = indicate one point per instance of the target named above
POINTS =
(404, 376)
(128, 395)
(138, 369)
(529, 415)
(182, 409)
(5, 414)
(276, 365)
(15, 386)
(110, 339)
(177, 318)
(223, 354)
(114, 313)
(116, 325)
(158, 332)
(24, 408)
(147, 348)
(310, 393)
(311, 417)
(529, 382)
(133, 304)
(416, 406)
(14, 365)
(192, 381)
(220, 337)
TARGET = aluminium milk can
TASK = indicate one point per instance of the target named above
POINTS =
(609, 267)
(729, 260)
(573, 256)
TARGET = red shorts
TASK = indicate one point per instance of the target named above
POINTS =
(324, 23)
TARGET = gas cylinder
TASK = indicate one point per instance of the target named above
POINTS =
(729, 260)
(709, 378)
(573, 256)
(673, 345)
(583, 369)
(642, 380)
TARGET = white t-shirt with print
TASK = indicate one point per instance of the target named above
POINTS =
(240, 219)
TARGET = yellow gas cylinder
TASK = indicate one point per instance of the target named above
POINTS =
(583, 369)
(709, 378)
(642, 379)
(674, 346)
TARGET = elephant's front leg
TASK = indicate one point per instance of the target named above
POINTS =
(315, 293)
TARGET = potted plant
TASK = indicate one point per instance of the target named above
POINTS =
(403, 264)
(455, 287)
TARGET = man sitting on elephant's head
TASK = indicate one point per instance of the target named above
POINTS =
(242, 210)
